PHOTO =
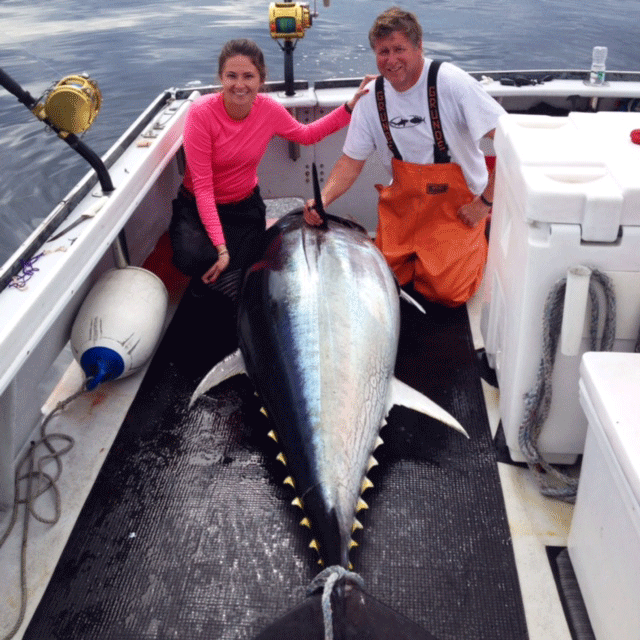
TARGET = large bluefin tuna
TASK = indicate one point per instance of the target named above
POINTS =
(319, 322)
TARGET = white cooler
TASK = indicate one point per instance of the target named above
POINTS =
(567, 194)
(604, 540)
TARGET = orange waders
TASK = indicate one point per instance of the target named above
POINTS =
(419, 232)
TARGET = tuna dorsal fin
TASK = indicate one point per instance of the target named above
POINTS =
(406, 396)
(231, 366)
(317, 196)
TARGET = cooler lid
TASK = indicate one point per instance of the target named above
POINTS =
(612, 382)
(580, 169)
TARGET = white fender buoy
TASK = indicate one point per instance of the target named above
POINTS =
(119, 324)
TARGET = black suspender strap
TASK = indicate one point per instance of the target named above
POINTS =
(440, 148)
(384, 119)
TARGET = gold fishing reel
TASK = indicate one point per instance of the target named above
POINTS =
(289, 20)
(72, 105)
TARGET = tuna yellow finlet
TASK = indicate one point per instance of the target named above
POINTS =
(314, 545)
(361, 505)
(281, 458)
(305, 522)
(356, 525)
(272, 435)
(366, 484)
(296, 502)
(263, 411)
(289, 480)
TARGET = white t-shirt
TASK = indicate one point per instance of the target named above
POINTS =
(467, 113)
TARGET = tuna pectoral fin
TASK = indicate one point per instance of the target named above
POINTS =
(405, 296)
(355, 616)
(231, 366)
(404, 395)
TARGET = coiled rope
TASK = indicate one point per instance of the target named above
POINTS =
(326, 581)
(38, 482)
(551, 481)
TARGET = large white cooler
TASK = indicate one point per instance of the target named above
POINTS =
(604, 540)
(567, 194)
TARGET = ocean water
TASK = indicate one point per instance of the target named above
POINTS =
(134, 50)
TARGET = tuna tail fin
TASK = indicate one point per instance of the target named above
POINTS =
(355, 615)
(230, 366)
(317, 196)
(406, 396)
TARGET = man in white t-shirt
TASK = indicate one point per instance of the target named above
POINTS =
(426, 120)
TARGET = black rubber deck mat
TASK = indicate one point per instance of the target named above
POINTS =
(189, 532)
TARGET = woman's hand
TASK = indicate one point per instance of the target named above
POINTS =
(212, 274)
(361, 90)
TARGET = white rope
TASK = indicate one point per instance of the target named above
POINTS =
(327, 580)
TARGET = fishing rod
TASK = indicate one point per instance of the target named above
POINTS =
(68, 109)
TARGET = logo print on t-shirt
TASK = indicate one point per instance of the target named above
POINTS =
(402, 123)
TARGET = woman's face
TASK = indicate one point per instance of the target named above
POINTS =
(240, 84)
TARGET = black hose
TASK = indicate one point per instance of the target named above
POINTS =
(13, 87)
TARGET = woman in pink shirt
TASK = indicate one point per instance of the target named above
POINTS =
(218, 215)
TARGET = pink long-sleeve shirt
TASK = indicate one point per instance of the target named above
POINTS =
(223, 154)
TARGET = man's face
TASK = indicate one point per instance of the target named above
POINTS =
(398, 60)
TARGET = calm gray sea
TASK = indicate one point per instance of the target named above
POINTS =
(134, 50)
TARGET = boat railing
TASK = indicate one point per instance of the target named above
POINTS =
(38, 308)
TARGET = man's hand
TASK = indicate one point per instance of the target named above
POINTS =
(311, 216)
(474, 212)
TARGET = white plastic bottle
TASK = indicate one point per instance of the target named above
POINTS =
(599, 56)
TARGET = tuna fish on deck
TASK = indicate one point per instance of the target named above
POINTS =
(319, 323)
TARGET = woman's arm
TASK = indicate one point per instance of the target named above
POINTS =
(288, 127)
(198, 147)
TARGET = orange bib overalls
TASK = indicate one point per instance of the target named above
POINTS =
(419, 232)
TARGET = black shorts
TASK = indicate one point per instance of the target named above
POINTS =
(243, 224)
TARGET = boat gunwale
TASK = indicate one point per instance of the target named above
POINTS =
(54, 220)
